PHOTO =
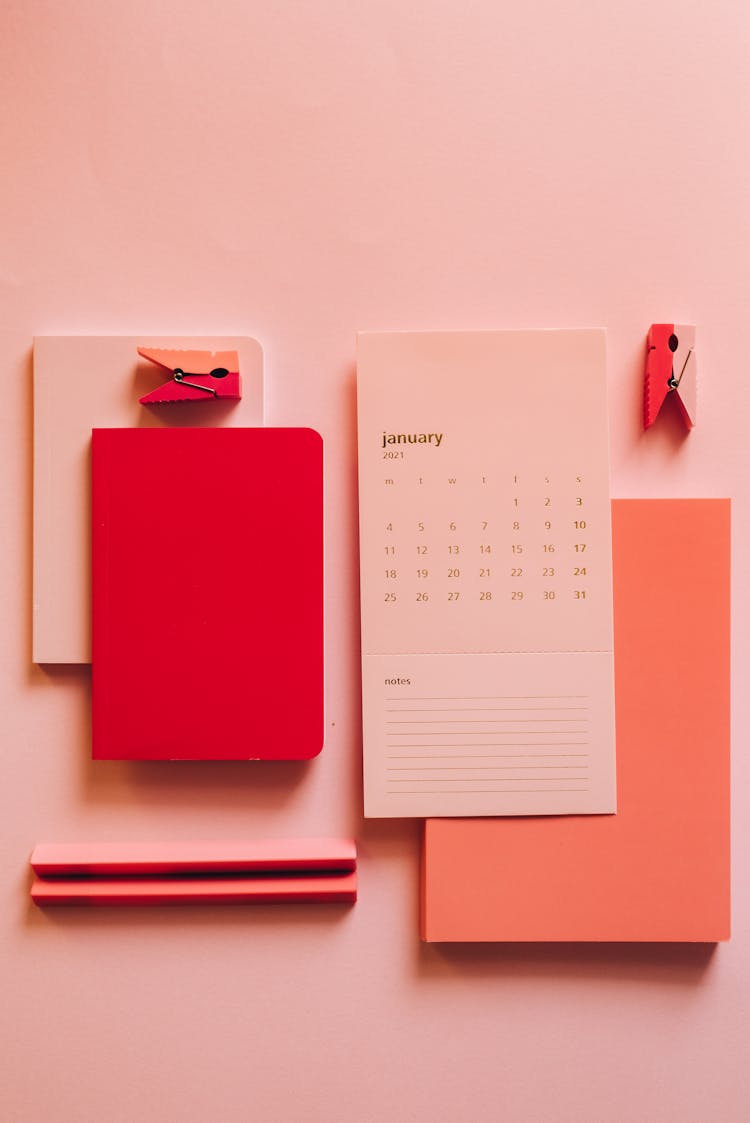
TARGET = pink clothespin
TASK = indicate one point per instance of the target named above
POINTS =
(671, 368)
(195, 376)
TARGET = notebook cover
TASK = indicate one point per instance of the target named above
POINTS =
(324, 889)
(86, 382)
(100, 859)
(207, 594)
(659, 869)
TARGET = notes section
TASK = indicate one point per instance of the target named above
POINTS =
(489, 734)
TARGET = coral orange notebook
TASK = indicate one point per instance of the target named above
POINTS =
(659, 869)
(207, 594)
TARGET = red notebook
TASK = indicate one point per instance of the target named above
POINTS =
(659, 868)
(207, 594)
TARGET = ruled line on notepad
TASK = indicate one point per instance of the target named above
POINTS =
(482, 791)
(486, 721)
(490, 733)
(472, 768)
(479, 767)
(487, 698)
(509, 745)
(490, 710)
(485, 768)
(499, 745)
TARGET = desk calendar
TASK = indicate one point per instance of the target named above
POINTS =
(486, 564)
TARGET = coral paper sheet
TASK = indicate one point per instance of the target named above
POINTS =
(659, 870)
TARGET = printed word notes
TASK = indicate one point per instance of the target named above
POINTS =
(486, 557)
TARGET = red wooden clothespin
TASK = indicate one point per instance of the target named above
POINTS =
(671, 368)
(195, 376)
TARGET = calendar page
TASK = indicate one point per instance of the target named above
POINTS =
(486, 567)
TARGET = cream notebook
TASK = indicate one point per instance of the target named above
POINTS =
(486, 566)
(87, 382)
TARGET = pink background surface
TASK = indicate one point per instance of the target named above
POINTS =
(296, 172)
